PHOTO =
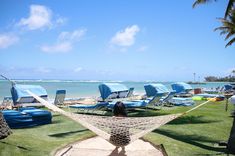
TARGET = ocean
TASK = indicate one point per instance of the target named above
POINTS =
(77, 88)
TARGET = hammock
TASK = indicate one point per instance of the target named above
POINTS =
(119, 131)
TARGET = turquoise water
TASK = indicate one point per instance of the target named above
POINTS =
(76, 89)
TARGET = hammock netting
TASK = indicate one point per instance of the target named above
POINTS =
(119, 131)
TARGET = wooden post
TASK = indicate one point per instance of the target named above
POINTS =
(231, 140)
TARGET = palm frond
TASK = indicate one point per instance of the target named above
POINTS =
(223, 32)
(230, 42)
(229, 35)
(197, 2)
(229, 8)
(221, 28)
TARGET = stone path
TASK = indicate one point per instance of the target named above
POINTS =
(97, 146)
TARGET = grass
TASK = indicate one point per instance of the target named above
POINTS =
(196, 133)
(43, 140)
(193, 134)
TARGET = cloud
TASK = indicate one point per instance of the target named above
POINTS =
(78, 69)
(65, 41)
(57, 48)
(7, 40)
(40, 17)
(72, 36)
(142, 48)
(60, 21)
(125, 37)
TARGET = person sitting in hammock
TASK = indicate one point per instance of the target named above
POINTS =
(120, 136)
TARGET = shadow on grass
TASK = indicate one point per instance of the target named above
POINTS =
(55, 115)
(146, 113)
(191, 120)
(56, 121)
(60, 135)
(20, 147)
(194, 140)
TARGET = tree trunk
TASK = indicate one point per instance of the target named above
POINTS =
(4, 129)
(231, 140)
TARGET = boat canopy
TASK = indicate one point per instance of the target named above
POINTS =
(20, 95)
(113, 90)
(155, 88)
(180, 87)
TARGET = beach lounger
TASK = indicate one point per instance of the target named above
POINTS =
(26, 117)
(130, 92)
(110, 91)
(158, 88)
(60, 97)
(155, 88)
(181, 101)
(182, 89)
(90, 108)
(139, 103)
(21, 98)
(109, 105)
(6, 103)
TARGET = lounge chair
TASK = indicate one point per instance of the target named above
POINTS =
(130, 92)
(110, 91)
(158, 88)
(91, 108)
(182, 89)
(6, 103)
(60, 97)
(155, 88)
(26, 117)
(169, 99)
(150, 102)
(21, 98)
(181, 101)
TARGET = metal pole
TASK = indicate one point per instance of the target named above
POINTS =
(12, 82)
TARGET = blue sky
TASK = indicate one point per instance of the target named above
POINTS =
(112, 40)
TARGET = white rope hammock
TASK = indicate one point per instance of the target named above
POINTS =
(119, 131)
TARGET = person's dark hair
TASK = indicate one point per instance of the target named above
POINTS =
(119, 109)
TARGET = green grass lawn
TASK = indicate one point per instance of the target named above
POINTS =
(193, 134)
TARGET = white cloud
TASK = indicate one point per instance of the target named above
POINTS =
(60, 21)
(72, 36)
(7, 40)
(142, 48)
(57, 48)
(125, 37)
(65, 41)
(40, 17)
(78, 69)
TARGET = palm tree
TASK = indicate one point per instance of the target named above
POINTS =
(228, 22)
(4, 129)
(233, 72)
(230, 5)
(228, 27)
